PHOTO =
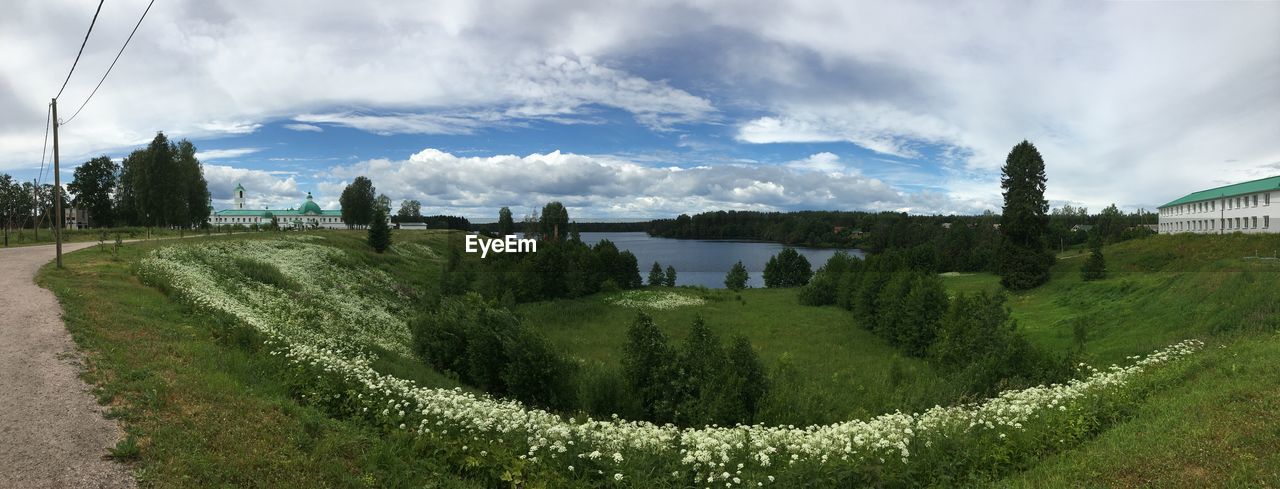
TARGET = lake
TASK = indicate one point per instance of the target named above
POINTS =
(705, 262)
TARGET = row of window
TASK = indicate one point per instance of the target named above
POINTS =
(259, 220)
(1216, 224)
(1212, 205)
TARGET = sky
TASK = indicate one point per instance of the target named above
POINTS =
(635, 109)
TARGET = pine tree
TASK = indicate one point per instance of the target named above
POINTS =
(737, 277)
(656, 278)
(506, 225)
(671, 276)
(1023, 260)
(379, 232)
(1096, 267)
(647, 365)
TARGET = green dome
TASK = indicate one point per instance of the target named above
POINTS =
(310, 207)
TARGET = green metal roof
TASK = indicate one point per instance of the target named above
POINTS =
(1252, 186)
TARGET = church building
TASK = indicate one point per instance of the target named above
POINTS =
(307, 215)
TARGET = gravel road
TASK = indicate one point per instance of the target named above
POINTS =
(52, 433)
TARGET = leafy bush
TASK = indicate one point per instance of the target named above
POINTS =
(787, 269)
(737, 277)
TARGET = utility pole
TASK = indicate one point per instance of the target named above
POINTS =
(57, 187)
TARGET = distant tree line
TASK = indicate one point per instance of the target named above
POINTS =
(563, 267)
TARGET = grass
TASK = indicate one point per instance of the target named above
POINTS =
(844, 369)
(31, 237)
(204, 407)
(1221, 428)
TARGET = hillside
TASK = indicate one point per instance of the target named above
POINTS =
(211, 401)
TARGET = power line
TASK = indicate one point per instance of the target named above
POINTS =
(43, 149)
(113, 63)
(82, 44)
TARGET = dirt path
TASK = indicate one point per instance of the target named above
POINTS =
(52, 433)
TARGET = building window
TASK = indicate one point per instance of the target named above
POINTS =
(1266, 198)
(1266, 222)
(1255, 222)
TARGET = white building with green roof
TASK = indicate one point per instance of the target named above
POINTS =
(1239, 208)
(307, 215)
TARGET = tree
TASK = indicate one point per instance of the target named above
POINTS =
(379, 232)
(787, 269)
(670, 280)
(93, 183)
(555, 221)
(15, 204)
(737, 277)
(411, 209)
(647, 360)
(744, 385)
(162, 185)
(656, 278)
(358, 202)
(1096, 266)
(383, 203)
(506, 225)
(699, 369)
(194, 198)
(1023, 261)
(1110, 225)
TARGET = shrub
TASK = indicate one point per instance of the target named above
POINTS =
(379, 232)
(656, 277)
(737, 277)
(787, 269)
(647, 366)
(1096, 267)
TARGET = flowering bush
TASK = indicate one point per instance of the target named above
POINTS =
(649, 299)
(327, 330)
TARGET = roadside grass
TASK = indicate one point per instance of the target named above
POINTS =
(204, 405)
(31, 237)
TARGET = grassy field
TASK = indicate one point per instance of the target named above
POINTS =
(841, 371)
(209, 408)
(30, 237)
(206, 406)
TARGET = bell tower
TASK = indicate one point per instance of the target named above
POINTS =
(239, 197)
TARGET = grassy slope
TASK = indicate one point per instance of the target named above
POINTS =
(845, 365)
(210, 411)
(207, 408)
(1221, 427)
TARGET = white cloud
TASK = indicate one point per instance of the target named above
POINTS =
(303, 128)
(262, 189)
(222, 154)
(596, 186)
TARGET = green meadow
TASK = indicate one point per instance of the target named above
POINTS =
(206, 406)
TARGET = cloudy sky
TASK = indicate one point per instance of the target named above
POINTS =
(626, 109)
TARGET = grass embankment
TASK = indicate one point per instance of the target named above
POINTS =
(209, 407)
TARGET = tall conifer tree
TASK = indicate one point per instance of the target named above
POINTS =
(1023, 261)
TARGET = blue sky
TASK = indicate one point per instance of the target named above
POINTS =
(650, 109)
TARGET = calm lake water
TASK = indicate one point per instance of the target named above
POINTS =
(705, 262)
